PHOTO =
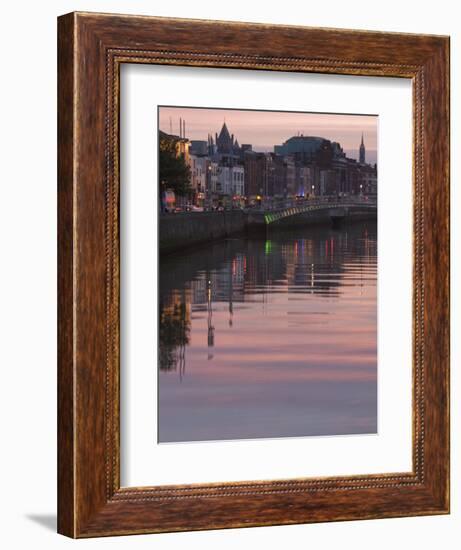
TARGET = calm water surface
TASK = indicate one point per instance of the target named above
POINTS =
(270, 336)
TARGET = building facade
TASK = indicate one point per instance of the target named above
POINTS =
(231, 181)
(198, 166)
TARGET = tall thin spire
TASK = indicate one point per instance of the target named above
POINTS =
(362, 152)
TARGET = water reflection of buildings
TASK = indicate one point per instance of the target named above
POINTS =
(322, 263)
(174, 330)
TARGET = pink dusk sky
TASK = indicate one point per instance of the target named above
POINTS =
(264, 129)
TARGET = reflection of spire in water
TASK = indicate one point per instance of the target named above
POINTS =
(182, 361)
(210, 320)
(231, 292)
(367, 244)
(231, 311)
(182, 345)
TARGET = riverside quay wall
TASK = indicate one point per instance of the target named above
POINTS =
(185, 229)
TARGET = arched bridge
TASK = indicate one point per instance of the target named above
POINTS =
(318, 210)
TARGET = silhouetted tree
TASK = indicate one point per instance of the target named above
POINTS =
(174, 172)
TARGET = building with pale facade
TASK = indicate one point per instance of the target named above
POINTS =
(231, 180)
(198, 168)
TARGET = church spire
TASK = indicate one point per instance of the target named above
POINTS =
(225, 142)
(362, 152)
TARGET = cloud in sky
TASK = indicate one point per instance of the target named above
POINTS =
(264, 129)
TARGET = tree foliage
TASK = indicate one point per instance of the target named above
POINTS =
(175, 174)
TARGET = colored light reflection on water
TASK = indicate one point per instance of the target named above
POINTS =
(270, 337)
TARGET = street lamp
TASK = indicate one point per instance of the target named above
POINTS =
(208, 188)
(313, 189)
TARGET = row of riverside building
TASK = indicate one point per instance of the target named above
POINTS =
(224, 172)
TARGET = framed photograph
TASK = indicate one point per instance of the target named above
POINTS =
(253, 259)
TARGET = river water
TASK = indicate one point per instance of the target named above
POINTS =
(270, 336)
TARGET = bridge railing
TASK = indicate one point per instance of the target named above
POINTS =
(271, 216)
(325, 200)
